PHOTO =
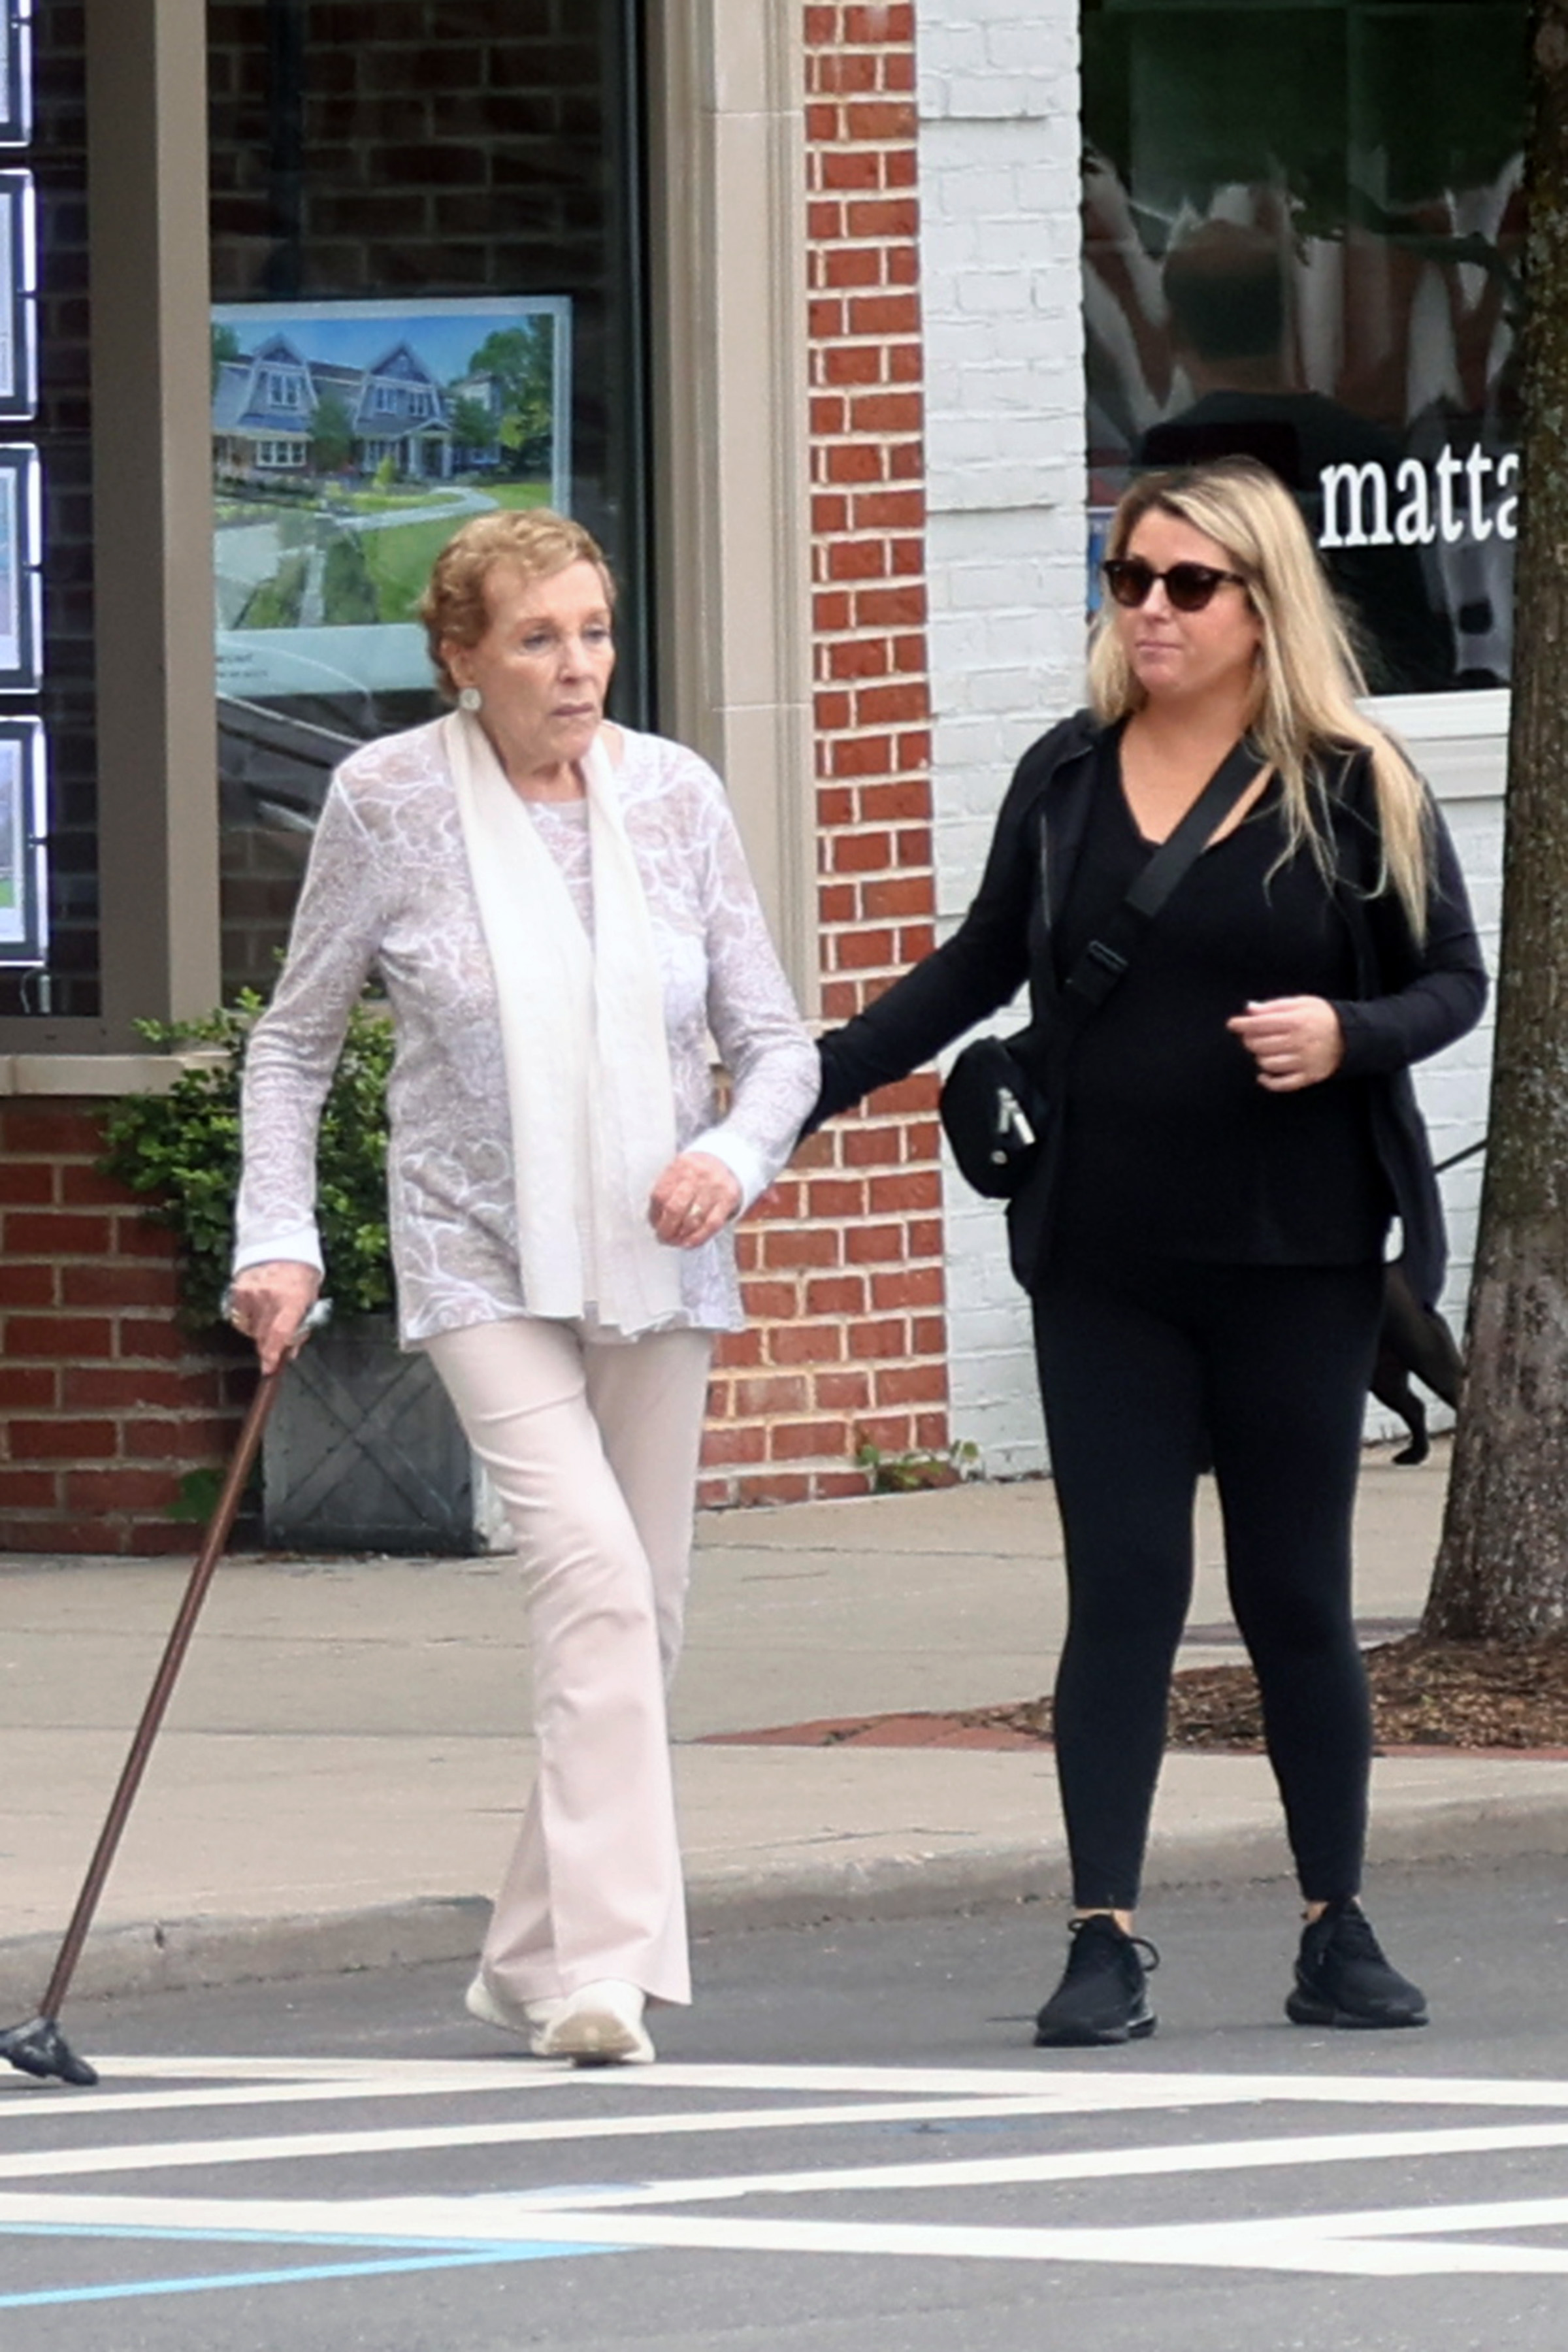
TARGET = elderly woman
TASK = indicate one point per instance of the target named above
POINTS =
(560, 913)
(1202, 1237)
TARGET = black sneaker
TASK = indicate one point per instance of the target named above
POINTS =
(1103, 1995)
(1343, 1977)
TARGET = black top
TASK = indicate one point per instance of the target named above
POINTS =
(1170, 1146)
(1410, 997)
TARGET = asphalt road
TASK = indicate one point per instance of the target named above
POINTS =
(849, 2146)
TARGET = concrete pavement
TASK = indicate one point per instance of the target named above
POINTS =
(338, 1777)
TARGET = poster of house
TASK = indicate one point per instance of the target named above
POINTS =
(22, 868)
(13, 847)
(8, 294)
(20, 555)
(18, 247)
(350, 440)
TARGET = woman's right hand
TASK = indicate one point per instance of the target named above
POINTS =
(269, 1303)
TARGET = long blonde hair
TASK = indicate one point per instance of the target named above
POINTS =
(1308, 675)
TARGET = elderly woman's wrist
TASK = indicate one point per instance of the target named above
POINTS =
(741, 1157)
(297, 1245)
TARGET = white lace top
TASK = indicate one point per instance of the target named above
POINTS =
(389, 891)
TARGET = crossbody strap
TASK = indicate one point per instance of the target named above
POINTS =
(1102, 966)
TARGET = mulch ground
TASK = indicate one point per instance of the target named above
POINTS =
(1425, 1695)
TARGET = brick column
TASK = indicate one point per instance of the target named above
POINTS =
(844, 1263)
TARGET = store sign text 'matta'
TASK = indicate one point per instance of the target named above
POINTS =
(1474, 497)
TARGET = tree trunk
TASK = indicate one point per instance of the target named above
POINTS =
(1503, 1571)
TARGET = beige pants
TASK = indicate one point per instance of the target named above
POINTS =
(592, 1448)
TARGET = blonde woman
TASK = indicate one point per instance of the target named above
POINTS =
(560, 911)
(1201, 1236)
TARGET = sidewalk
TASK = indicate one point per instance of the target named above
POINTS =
(337, 1779)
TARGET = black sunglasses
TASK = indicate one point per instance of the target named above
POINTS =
(1189, 586)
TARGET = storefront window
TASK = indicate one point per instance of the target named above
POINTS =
(1303, 231)
(427, 287)
(57, 156)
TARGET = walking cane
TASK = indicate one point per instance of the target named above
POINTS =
(39, 2047)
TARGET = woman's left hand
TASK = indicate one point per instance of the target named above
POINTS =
(1296, 1041)
(696, 1195)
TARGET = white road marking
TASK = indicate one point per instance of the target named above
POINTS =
(1403, 2242)
(1364, 2243)
(284, 2082)
(1107, 2088)
(483, 2216)
(1271, 2246)
(458, 2080)
(172, 2156)
(1098, 2164)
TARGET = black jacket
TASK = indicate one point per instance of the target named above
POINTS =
(1411, 1000)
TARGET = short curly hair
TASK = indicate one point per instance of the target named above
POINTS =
(533, 541)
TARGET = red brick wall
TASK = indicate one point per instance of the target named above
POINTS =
(105, 1401)
(844, 1269)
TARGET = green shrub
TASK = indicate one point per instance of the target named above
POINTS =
(182, 1150)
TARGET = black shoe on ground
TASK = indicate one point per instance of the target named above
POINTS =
(1103, 1995)
(1343, 1977)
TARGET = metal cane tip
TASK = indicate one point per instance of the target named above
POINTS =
(40, 2049)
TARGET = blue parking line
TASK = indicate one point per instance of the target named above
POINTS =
(311, 2274)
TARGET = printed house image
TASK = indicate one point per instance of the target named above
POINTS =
(266, 414)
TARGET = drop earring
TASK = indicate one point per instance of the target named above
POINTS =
(470, 698)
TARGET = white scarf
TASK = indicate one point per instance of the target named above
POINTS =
(583, 1038)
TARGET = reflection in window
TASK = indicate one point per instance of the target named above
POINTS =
(1303, 229)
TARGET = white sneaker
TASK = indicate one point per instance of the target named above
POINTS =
(533, 2020)
(599, 2025)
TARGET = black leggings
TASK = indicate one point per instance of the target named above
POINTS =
(1145, 1373)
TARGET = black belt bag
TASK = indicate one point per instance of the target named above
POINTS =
(994, 1109)
(995, 1116)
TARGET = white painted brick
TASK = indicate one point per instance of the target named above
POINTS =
(1023, 43)
(980, 97)
(995, 293)
(1046, 183)
(988, 1330)
(1005, 544)
(1054, 333)
(972, 763)
(964, 344)
(1002, 655)
(999, 487)
(1020, 241)
(967, 175)
(1013, 390)
(945, 48)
